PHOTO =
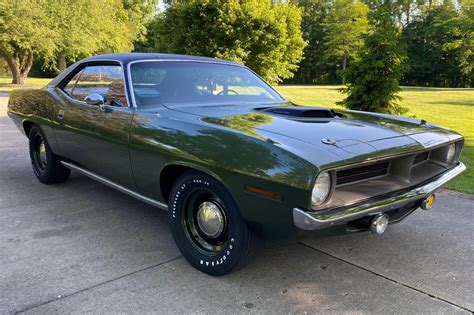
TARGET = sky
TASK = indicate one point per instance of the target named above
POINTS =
(161, 5)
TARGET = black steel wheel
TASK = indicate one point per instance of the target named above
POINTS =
(207, 225)
(47, 167)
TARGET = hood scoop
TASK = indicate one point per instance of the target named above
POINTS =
(301, 112)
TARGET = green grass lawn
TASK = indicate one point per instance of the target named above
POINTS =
(452, 108)
(6, 86)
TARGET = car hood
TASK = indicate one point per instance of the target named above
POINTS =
(347, 134)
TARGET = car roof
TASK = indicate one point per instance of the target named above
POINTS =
(129, 57)
(126, 58)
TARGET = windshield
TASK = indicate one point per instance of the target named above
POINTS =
(180, 83)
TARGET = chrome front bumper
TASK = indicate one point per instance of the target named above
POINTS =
(316, 221)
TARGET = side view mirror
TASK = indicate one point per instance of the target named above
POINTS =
(94, 99)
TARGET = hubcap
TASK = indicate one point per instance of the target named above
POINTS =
(40, 153)
(210, 219)
(205, 222)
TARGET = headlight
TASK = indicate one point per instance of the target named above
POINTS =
(451, 153)
(321, 189)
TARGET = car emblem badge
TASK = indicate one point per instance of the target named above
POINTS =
(328, 141)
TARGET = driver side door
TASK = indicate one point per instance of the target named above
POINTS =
(93, 134)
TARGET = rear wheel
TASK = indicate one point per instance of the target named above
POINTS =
(207, 225)
(47, 167)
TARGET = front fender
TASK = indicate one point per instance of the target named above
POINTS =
(235, 159)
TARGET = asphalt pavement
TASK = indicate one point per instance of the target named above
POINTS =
(82, 247)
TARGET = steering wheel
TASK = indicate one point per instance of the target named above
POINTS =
(228, 91)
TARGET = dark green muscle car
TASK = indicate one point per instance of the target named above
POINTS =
(228, 157)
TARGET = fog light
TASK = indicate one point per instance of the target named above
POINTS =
(428, 202)
(379, 224)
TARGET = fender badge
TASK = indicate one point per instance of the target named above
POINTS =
(328, 141)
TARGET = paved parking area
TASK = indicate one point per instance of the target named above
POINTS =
(83, 247)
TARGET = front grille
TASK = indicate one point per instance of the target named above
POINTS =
(421, 157)
(361, 173)
(372, 179)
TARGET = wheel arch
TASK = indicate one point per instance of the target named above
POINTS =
(27, 124)
(171, 171)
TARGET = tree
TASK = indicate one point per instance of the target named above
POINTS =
(406, 11)
(265, 37)
(139, 14)
(372, 80)
(346, 23)
(440, 47)
(101, 26)
(57, 30)
(313, 68)
(24, 32)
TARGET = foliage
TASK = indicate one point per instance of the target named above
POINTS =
(326, 22)
(104, 29)
(139, 12)
(440, 48)
(346, 23)
(3, 68)
(372, 80)
(313, 68)
(265, 37)
(19, 40)
(333, 30)
(67, 29)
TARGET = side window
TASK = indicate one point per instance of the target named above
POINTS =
(106, 80)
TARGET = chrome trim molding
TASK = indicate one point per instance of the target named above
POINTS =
(118, 187)
(313, 221)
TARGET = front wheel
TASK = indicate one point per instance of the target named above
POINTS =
(207, 225)
(47, 167)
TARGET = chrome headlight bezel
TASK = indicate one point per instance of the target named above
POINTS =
(321, 190)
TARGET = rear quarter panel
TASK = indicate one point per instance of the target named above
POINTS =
(36, 106)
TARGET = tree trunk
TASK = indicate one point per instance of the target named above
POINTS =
(344, 66)
(19, 69)
(19, 79)
(16, 76)
(62, 62)
(407, 13)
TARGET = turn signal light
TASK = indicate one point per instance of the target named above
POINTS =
(428, 202)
